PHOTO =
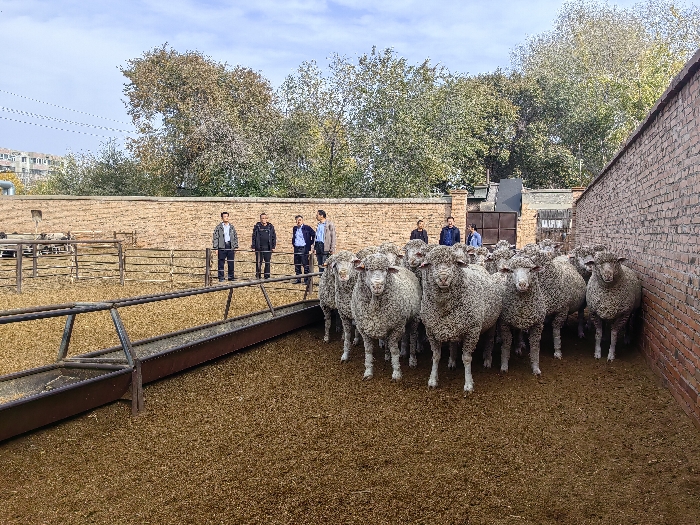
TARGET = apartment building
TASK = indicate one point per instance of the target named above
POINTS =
(29, 166)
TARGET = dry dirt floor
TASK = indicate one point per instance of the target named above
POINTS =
(285, 433)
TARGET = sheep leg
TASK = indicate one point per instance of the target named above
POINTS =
(629, 329)
(338, 323)
(468, 347)
(535, 336)
(581, 322)
(413, 348)
(598, 322)
(347, 330)
(619, 323)
(506, 341)
(327, 318)
(436, 347)
(520, 349)
(489, 337)
(393, 344)
(358, 337)
(369, 357)
(452, 361)
(557, 323)
(405, 341)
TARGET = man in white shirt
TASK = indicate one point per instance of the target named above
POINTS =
(225, 242)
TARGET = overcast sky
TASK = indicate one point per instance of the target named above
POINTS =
(61, 58)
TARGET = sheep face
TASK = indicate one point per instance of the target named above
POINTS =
(374, 270)
(441, 267)
(607, 265)
(343, 269)
(521, 270)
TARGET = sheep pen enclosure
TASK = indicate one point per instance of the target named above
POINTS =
(285, 433)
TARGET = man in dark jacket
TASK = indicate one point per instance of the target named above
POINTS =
(450, 233)
(264, 243)
(303, 237)
(420, 233)
(225, 242)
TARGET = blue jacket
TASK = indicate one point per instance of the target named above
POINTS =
(309, 236)
(475, 239)
(455, 235)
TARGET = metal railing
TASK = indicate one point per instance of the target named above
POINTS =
(109, 259)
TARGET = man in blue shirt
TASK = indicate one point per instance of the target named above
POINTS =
(302, 239)
(474, 236)
(450, 233)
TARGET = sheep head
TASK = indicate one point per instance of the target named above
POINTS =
(606, 265)
(521, 270)
(415, 251)
(441, 266)
(343, 265)
(374, 270)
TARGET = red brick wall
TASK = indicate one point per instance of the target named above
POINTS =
(646, 206)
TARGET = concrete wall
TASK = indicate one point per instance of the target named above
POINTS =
(534, 200)
(645, 206)
(188, 223)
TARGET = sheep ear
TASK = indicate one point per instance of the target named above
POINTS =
(537, 269)
(503, 269)
(425, 265)
(621, 259)
(590, 264)
(462, 264)
(393, 269)
(357, 263)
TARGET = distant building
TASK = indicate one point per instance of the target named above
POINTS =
(29, 166)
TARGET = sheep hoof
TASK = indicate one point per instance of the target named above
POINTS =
(412, 361)
(326, 339)
(403, 353)
(487, 363)
(581, 334)
(468, 389)
(452, 365)
(597, 354)
(536, 370)
(432, 383)
(557, 354)
(611, 358)
(356, 342)
(396, 376)
(344, 358)
(387, 356)
(368, 375)
(504, 368)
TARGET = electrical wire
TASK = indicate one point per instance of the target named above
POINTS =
(60, 129)
(61, 107)
(36, 115)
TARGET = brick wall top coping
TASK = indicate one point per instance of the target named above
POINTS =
(438, 200)
(560, 190)
(679, 81)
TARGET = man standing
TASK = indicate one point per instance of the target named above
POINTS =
(420, 233)
(450, 233)
(325, 239)
(474, 236)
(264, 243)
(303, 240)
(225, 241)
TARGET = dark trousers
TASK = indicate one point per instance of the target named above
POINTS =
(301, 258)
(261, 256)
(224, 255)
(321, 256)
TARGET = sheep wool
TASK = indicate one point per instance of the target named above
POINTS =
(614, 292)
(344, 277)
(326, 295)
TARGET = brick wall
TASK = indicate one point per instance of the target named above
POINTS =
(645, 205)
(188, 223)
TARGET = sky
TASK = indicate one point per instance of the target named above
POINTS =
(61, 58)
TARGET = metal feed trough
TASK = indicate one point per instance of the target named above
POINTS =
(39, 396)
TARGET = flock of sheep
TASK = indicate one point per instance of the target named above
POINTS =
(461, 294)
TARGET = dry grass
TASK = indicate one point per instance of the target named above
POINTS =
(35, 343)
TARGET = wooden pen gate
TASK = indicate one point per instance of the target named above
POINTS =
(493, 226)
(555, 225)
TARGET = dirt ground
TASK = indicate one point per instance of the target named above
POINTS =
(285, 433)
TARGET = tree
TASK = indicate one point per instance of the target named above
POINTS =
(110, 171)
(602, 68)
(203, 126)
(11, 176)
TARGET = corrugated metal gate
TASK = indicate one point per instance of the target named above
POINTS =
(554, 224)
(493, 226)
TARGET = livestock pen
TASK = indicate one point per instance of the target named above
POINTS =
(285, 433)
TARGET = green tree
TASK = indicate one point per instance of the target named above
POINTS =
(202, 125)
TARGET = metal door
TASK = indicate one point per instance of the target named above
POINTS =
(494, 226)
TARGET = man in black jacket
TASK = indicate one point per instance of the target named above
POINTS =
(264, 243)
(450, 233)
(420, 233)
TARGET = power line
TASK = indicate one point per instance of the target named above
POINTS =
(36, 115)
(61, 107)
(60, 129)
